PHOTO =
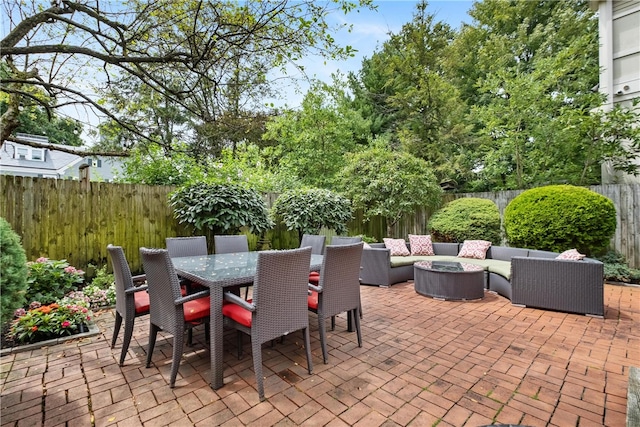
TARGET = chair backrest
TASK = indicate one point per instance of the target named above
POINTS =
(280, 293)
(230, 244)
(122, 276)
(343, 240)
(186, 246)
(316, 242)
(340, 278)
(164, 290)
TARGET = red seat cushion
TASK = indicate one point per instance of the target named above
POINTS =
(237, 313)
(196, 310)
(314, 278)
(141, 300)
(312, 300)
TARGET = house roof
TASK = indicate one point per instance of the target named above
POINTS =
(54, 162)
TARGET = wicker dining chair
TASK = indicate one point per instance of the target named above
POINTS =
(338, 290)
(131, 301)
(231, 244)
(314, 278)
(317, 244)
(278, 307)
(186, 246)
(169, 310)
(345, 240)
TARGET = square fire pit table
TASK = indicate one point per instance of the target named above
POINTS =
(448, 280)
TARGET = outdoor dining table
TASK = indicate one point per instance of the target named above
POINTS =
(217, 272)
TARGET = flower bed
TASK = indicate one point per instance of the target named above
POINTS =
(44, 322)
(67, 308)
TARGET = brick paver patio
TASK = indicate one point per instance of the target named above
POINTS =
(423, 362)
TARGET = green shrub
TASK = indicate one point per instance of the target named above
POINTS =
(221, 209)
(616, 268)
(101, 292)
(468, 218)
(560, 217)
(309, 210)
(50, 280)
(102, 279)
(13, 271)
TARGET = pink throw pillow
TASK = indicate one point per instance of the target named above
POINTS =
(398, 247)
(572, 254)
(474, 249)
(421, 245)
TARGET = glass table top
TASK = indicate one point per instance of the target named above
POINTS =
(451, 266)
(226, 269)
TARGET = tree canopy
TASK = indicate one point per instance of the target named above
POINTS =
(509, 101)
(189, 55)
(389, 183)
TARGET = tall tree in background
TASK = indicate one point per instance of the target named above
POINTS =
(528, 70)
(74, 50)
(312, 142)
(403, 90)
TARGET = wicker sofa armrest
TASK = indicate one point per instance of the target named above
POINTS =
(376, 263)
(563, 285)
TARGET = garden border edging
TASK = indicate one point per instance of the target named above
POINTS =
(93, 331)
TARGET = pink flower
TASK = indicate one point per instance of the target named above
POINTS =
(88, 318)
(19, 312)
(42, 259)
(71, 269)
(34, 305)
(66, 324)
(84, 309)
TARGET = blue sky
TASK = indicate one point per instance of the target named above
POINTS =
(371, 29)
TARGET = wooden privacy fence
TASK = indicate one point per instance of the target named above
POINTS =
(63, 219)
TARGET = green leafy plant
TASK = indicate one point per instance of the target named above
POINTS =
(389, 184)
(42, 322)
(466, 218)
(560, 217)
(101, 292)
(223, 209)
(13, 268)
(616, 268)
(102, 278)
(309, 210)
(50, 280)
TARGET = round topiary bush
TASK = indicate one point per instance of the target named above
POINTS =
(560, 217)
(13, 265)
(221, 208)
(308, 210)
(468, 218)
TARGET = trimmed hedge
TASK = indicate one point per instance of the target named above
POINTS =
(560, 217)
(469, 218)
(13, 268)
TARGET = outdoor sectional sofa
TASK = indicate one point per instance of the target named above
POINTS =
(527, 277)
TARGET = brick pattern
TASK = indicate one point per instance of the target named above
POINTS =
(422, 362)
